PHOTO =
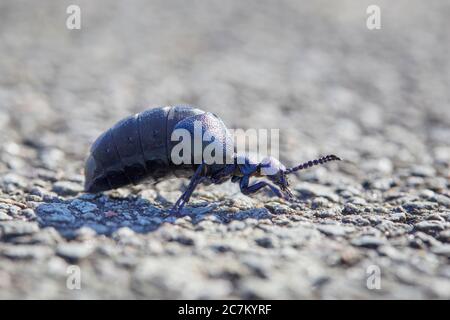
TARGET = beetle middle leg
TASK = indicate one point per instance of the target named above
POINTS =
(195, 180)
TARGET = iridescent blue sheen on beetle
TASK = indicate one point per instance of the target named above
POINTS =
(139, 147)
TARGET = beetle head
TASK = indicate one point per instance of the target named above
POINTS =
(275, 171)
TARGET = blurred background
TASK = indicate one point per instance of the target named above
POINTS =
(312, 69)
(378, 98)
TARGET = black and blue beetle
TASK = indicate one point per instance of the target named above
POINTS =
(140, 147)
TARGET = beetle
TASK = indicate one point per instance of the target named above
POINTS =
(139, 147)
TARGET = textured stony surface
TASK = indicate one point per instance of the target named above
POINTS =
(380, 99)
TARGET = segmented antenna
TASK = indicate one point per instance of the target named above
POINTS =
(312, 163)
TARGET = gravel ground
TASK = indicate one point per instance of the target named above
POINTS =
(380, 99)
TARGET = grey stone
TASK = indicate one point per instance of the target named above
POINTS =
(17, 228)
(201, 210)
(4, 216)
(383, 165)
(312, 190)
(74, 251)
(356, 220)
(443, 200)
(426, 239)
(327, 213)
(261, 213)
(442, 250)
(382, 184)
(123, 234)
(418, 207)
(398, 216)
(29, 213)
(357, 201)
(38, 191)
(333, 230)
(427, 194)
(415, 182)
(55, 212)
(13, 179)
(265, 242)
(187, 240)
(278, 208)
(27, 252)
(90, 216)
(435, 217)
(368, 242)
(67, 188)
(85, 233)
(236, 225)
(14, 210)
(423, 171)
(351, 209)
(48, 236)
(444, 236)
(51, 157)
(429, 226)
(83, 206)
(320, 203)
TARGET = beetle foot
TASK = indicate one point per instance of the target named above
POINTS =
(286, 194)
(178, 207)
(175, 212)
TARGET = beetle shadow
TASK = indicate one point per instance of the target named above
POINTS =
(105, 214)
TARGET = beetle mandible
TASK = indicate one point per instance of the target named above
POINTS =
(139, 147)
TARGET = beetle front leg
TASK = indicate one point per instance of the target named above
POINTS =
(246, 189)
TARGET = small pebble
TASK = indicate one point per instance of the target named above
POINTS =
(67, 188)
(368, 242)
(429, 226)
(74, 251)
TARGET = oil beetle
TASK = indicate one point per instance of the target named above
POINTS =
(139, 147)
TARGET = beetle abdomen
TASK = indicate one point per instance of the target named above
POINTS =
(135, 148)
